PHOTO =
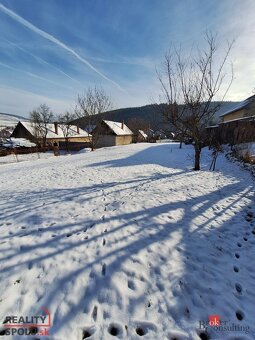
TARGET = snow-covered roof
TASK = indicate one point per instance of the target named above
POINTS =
(238, 119)
(143, 133)
(119, 129)
(244, 104)
(51, 130)
(212, 126)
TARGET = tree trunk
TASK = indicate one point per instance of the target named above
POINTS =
(44, 143)
(180, 144)
(197, 158)
(67, 144)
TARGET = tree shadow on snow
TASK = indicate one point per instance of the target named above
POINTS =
(188, 232)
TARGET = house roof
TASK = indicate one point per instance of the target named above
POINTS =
(51, 130)
(116, 127)
(251, 118)
(142, 133)
(243, 105)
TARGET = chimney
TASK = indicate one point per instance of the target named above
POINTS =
(122, 125)
(78, 129)
(56, 128)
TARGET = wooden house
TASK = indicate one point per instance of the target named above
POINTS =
(244, 109)
(55, 134)
(141, 136)
(109, 133)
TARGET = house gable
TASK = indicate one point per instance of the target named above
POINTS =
(21, 131)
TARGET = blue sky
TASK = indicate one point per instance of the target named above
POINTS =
(51, 50)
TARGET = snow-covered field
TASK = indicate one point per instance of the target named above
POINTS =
(128, 242)
(25, 157)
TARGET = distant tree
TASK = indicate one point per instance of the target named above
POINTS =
(90, 104)
(65, 123)
(189, 84)
(40, 118)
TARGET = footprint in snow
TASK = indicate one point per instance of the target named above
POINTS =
(157, 271)
(239, 315)
(236, 269)
(131, 284)
(104, 242)
(204, 336)
(239, 288)
(237, 255)
(160, 286)
(88, 332)
(249, 217)
(94, 313)
(142, 328)
(115, 330)
(103, 269)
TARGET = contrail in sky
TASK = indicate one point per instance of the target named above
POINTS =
(32, 75)
(55, 41)
(42, 60)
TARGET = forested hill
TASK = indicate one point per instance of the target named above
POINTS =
(147, 113)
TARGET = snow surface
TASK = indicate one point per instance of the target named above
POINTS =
(25, 157)
(128, 240)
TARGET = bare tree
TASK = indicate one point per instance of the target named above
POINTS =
(190, 84)
(40, 118)
(65, 124)
(90, 104)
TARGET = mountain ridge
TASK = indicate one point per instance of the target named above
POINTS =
(147, 113)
